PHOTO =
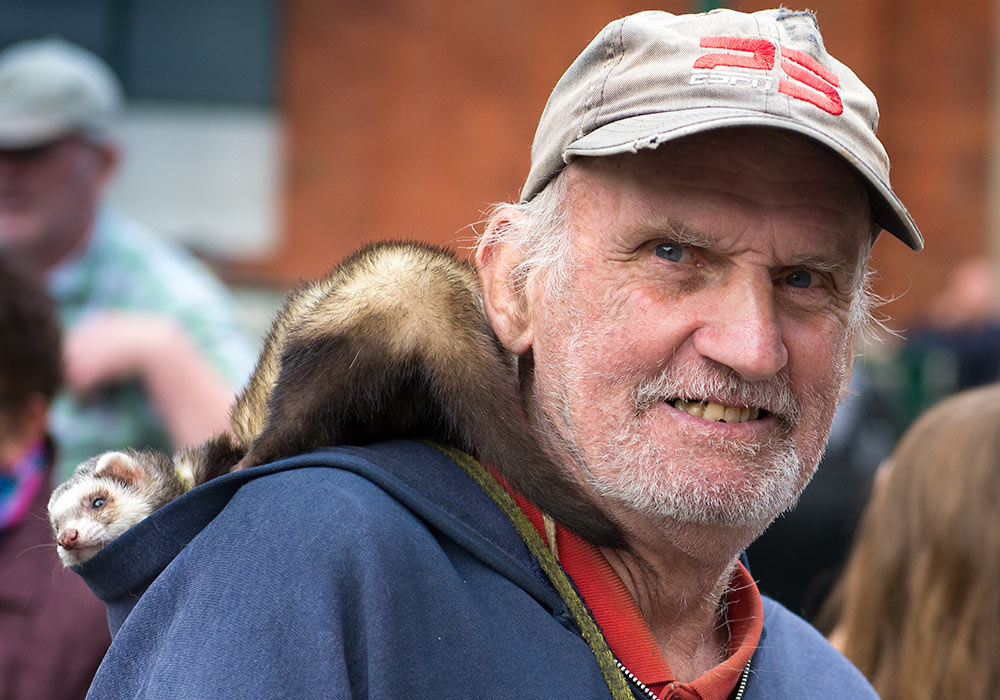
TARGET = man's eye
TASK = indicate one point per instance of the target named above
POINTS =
(799, 278)
(671, 251)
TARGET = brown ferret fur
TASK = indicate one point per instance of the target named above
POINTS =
(393, 343)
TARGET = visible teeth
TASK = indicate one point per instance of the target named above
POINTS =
(717, 412)
(714, 411)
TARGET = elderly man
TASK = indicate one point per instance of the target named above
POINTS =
(681, 284)
(153, 348)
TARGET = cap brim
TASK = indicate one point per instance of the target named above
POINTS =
(20, 133)
(650, 130)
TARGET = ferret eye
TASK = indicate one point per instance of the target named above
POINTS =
(98, 502)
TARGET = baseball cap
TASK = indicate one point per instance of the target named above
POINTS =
(652, 77)
(50, 88)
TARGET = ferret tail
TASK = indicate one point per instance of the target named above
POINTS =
(251, 410)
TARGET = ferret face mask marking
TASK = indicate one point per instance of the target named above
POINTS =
(103, 499)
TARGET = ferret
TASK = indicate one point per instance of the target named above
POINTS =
(107, 495)
(110, 493)
(392, 343)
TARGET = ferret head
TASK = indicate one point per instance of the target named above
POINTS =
(105, 497)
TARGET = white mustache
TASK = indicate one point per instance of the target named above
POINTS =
(723, 386)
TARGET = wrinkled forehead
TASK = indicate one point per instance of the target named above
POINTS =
(787, 171)
(756, 153)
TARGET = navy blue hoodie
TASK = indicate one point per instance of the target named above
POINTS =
(377, 572)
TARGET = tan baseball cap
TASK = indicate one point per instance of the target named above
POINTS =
(50, 88)
(652, 77)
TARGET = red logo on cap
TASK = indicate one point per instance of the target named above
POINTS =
(805, 79)
(762, 50)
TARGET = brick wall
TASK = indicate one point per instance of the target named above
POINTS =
(406, 118)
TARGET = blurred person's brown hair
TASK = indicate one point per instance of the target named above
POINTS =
(53, 630)
(30, 360)
(917, 606)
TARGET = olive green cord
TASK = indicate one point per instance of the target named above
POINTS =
(588, 628)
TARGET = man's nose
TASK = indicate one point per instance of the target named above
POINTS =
(742, 329)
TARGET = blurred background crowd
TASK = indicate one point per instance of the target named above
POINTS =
(168, 169)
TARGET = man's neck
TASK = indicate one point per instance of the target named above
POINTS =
(680, 592)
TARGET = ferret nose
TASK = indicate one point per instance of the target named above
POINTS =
(67, 540)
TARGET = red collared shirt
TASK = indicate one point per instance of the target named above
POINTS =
(627, 633)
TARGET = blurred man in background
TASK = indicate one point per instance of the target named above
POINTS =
(153, 352)
(53, 631)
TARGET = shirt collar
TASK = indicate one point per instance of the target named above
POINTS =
(626, 631)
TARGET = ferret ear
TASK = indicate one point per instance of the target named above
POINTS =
(505, 299)
(120, 467)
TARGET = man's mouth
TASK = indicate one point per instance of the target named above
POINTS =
(709, 410)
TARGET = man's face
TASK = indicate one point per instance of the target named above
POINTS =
(48, 195)
(711, 279)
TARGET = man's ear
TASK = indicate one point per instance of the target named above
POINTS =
(504, 298)
(108, 160)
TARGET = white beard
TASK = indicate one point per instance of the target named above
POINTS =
(639, 475)
(663, 480)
